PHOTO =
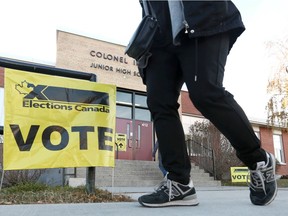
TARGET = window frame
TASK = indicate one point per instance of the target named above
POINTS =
(279, 147)
(134, 107)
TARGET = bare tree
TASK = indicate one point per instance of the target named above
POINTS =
(277, 88)
(206, 135)
(14, 177)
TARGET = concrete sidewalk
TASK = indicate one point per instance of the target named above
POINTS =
(219, 201)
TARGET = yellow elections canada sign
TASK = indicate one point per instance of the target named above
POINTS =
(57, 122)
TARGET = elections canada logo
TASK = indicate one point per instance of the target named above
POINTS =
(61, 98)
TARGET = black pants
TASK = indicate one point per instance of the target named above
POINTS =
(200, 64)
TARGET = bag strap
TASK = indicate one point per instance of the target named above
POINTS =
(147, 8)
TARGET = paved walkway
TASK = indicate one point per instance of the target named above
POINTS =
(220, 201)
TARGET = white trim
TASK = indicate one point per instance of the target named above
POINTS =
(278, 146)
(256, 128)
(277, 132)
(1, 106)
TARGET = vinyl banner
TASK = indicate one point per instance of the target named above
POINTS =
(54, 122)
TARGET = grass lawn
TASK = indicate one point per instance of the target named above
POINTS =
(40, 194)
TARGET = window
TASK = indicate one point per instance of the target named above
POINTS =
(278, 147)
(124, 98)
(141, 100)
(141, 108)
(123, 112)
(131, 105)
(142, 114)
(124, 105)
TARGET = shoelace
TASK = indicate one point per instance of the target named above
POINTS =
(166, 183)
(257, 180)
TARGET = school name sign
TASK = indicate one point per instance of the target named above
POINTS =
(53, 122)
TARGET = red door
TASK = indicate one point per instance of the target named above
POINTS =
(139, 141)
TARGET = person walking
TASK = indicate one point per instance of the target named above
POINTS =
(191, 46)
(161, 167)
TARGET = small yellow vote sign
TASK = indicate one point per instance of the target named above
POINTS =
(121, 142)
(239, 174)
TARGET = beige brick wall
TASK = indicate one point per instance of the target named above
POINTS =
(86, 54)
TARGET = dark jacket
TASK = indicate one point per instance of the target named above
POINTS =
(204, 18)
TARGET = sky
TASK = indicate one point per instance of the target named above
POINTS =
(28, 32)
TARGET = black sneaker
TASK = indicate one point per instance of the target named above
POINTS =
(263, 186)
(171, 193)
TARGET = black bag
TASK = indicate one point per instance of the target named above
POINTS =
(142, 39)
